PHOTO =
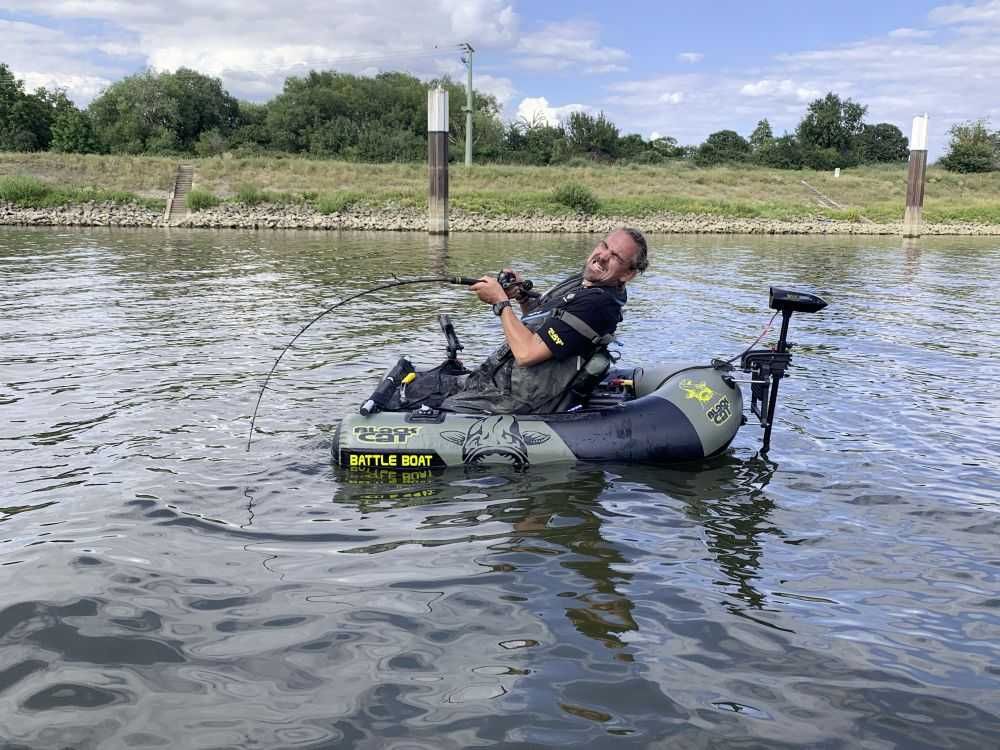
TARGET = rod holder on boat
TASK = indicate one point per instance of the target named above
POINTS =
(383, 392)
(767, 366)
(453, 344)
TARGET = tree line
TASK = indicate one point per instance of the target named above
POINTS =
(383, 118)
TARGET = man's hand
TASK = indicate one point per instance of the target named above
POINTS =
(488, 290)
(524, 343)
(514, 290)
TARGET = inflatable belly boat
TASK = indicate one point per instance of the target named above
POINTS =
(660, 414)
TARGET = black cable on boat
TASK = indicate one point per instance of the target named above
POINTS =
(461, 280)
(755, 341)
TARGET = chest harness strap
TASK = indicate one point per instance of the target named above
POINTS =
(578, 325)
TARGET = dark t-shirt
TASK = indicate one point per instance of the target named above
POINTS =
(598, 307)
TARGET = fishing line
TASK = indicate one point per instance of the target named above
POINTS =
(755, 341)
(461, 280)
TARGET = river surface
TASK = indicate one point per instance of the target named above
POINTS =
(163, 587)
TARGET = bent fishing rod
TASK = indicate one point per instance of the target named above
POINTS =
(505, 278)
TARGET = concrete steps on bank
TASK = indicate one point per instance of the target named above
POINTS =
(177, 205)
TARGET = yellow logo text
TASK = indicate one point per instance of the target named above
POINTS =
(389, 460)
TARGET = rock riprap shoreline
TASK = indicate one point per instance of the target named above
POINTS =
(403, 219)
(82, 215)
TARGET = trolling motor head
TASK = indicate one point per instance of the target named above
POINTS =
(786, 299)
(767, 366)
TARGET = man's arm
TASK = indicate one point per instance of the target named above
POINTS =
(528, 349)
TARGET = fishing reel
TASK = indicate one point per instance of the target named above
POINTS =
(508, 280)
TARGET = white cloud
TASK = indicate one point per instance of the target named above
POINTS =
(780, 89)
(607, 68)
(78, 88)
(41, 56)
(253, 45)
(690, 57)
(951, 78)
(977, 13)
(538, 110)
(944, 64)
(945, 67)
(502, 88)
(486, 21)
(906, 33)
(559, 46)
(651, 105)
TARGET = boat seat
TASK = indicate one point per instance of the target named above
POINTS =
(592, 373)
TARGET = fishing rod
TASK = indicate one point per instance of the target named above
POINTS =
(506, 279)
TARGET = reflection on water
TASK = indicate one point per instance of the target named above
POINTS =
(165, 587)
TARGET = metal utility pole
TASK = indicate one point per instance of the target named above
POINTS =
(468, 108)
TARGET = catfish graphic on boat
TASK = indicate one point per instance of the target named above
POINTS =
(495, 437)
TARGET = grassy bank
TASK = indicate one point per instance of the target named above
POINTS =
(865, 193)
(30, 192)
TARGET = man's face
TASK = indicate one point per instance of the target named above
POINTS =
(611, 262)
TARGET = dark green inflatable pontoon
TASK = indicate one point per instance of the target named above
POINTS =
(662, 414)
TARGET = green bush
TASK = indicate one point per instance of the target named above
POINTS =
(969, 158)
(210, 143)
(648, 157)
(30, 192)
(784, 152)
(249, 195)
(97, 195)
(722, 147)
(883, 142)
(23, 190)
(335, 203)
(824, 159)
(973, 148)
(386, 144)
(72, 133)
(578, 197)
(853, 215)
(198, 200)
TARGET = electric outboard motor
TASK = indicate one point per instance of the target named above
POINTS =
(767, 366)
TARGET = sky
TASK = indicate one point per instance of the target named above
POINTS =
(658, 68)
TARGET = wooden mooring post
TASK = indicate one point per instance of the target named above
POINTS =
(915, 177)
(437, 161)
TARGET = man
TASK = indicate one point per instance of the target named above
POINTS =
(545, 351)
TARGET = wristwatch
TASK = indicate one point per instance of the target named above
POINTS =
(499, 306)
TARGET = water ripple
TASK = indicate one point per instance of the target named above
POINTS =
(168, 588)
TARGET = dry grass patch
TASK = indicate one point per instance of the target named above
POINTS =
(138, 174)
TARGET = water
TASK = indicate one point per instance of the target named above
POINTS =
(164, 587)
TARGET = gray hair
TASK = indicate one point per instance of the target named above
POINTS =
(641, 262)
